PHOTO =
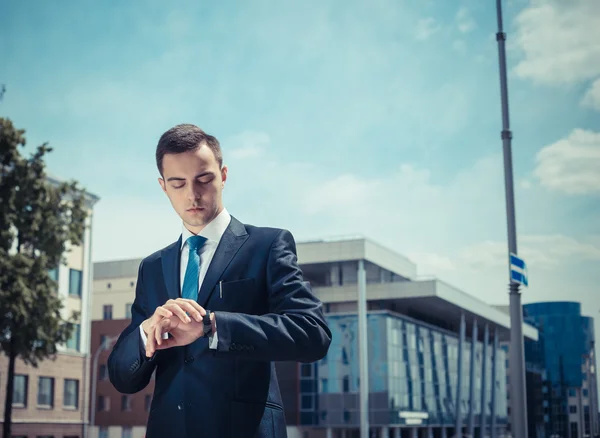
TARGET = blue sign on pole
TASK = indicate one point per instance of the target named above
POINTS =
(518, 270)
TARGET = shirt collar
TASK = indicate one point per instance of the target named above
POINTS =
(213, 231)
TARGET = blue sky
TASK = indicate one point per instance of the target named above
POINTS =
(374, 117)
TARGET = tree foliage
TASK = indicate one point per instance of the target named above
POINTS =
(39, 217)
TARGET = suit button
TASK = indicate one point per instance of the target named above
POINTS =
(189, 359)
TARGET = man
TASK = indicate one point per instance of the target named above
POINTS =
(213, 310)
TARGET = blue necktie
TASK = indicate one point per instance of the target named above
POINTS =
(190, 281)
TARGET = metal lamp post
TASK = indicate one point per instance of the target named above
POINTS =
(518, 402)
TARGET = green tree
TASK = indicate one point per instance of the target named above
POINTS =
(38, 217)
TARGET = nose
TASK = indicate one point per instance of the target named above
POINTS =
(193, 192)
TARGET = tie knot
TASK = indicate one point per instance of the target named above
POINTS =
(195, 242)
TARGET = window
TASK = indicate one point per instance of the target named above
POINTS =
(107, 311)
(71, 394)
(571, 392)
(103, 432)
(132, 284)
(53, 273)
(103, 403)
(585, 392)
(128, 310)
(103, 373)
(346, 384)
(126, 432)
(108, 286)
(126, 403)
(45, 392)
(20, 390)
(307, 369)
(147, 402)
(574, 429)
(75, 282)
(73, 342)
(307, 403)
(573, 409)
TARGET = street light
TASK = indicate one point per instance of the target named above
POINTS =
(518, 398)
(103, 346)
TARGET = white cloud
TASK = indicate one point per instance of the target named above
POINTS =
(248, 144)
(560, 41)
(539, 251)
(464, 20)
(426, 27)
(526, 184)
(592, 96)
(431, 264)
(571, 165)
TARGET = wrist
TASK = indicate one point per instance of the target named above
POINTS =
(145, 326)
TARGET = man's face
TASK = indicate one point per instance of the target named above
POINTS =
(194, 184)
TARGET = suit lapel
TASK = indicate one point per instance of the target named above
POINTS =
(170, 258)
(234, 237)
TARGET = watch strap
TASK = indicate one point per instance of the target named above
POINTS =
(207, 324)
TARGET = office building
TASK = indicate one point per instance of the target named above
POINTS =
(570, 406)
(51, 400)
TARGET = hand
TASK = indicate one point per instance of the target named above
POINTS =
(175, 309)
(180, 334)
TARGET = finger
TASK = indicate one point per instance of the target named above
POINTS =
(192, 307)
(158, 333)
(159, 314)
(178, 311)
(163, 327)
(151, 342)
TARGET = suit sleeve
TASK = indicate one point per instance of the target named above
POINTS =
(129, 369)
(295, 327)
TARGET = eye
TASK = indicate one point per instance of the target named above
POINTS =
(178, 187)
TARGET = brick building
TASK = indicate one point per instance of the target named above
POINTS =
(116, 415)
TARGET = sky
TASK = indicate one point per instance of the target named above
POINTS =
(379, 118)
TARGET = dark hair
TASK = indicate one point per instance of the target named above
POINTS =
(185, 138)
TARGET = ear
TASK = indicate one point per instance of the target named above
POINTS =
(162, 184)
(224, 174)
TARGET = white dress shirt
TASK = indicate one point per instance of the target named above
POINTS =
(213, 233)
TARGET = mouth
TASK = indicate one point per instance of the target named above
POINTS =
(195, 210)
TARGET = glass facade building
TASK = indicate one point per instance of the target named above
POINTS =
(566, 350)
(413, 373)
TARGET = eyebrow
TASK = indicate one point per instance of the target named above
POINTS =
(177, 178)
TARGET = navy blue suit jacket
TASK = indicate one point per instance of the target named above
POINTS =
(266, 313)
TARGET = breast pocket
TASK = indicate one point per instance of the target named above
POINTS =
(237, 296)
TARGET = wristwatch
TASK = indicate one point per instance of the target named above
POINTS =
(207, 324)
